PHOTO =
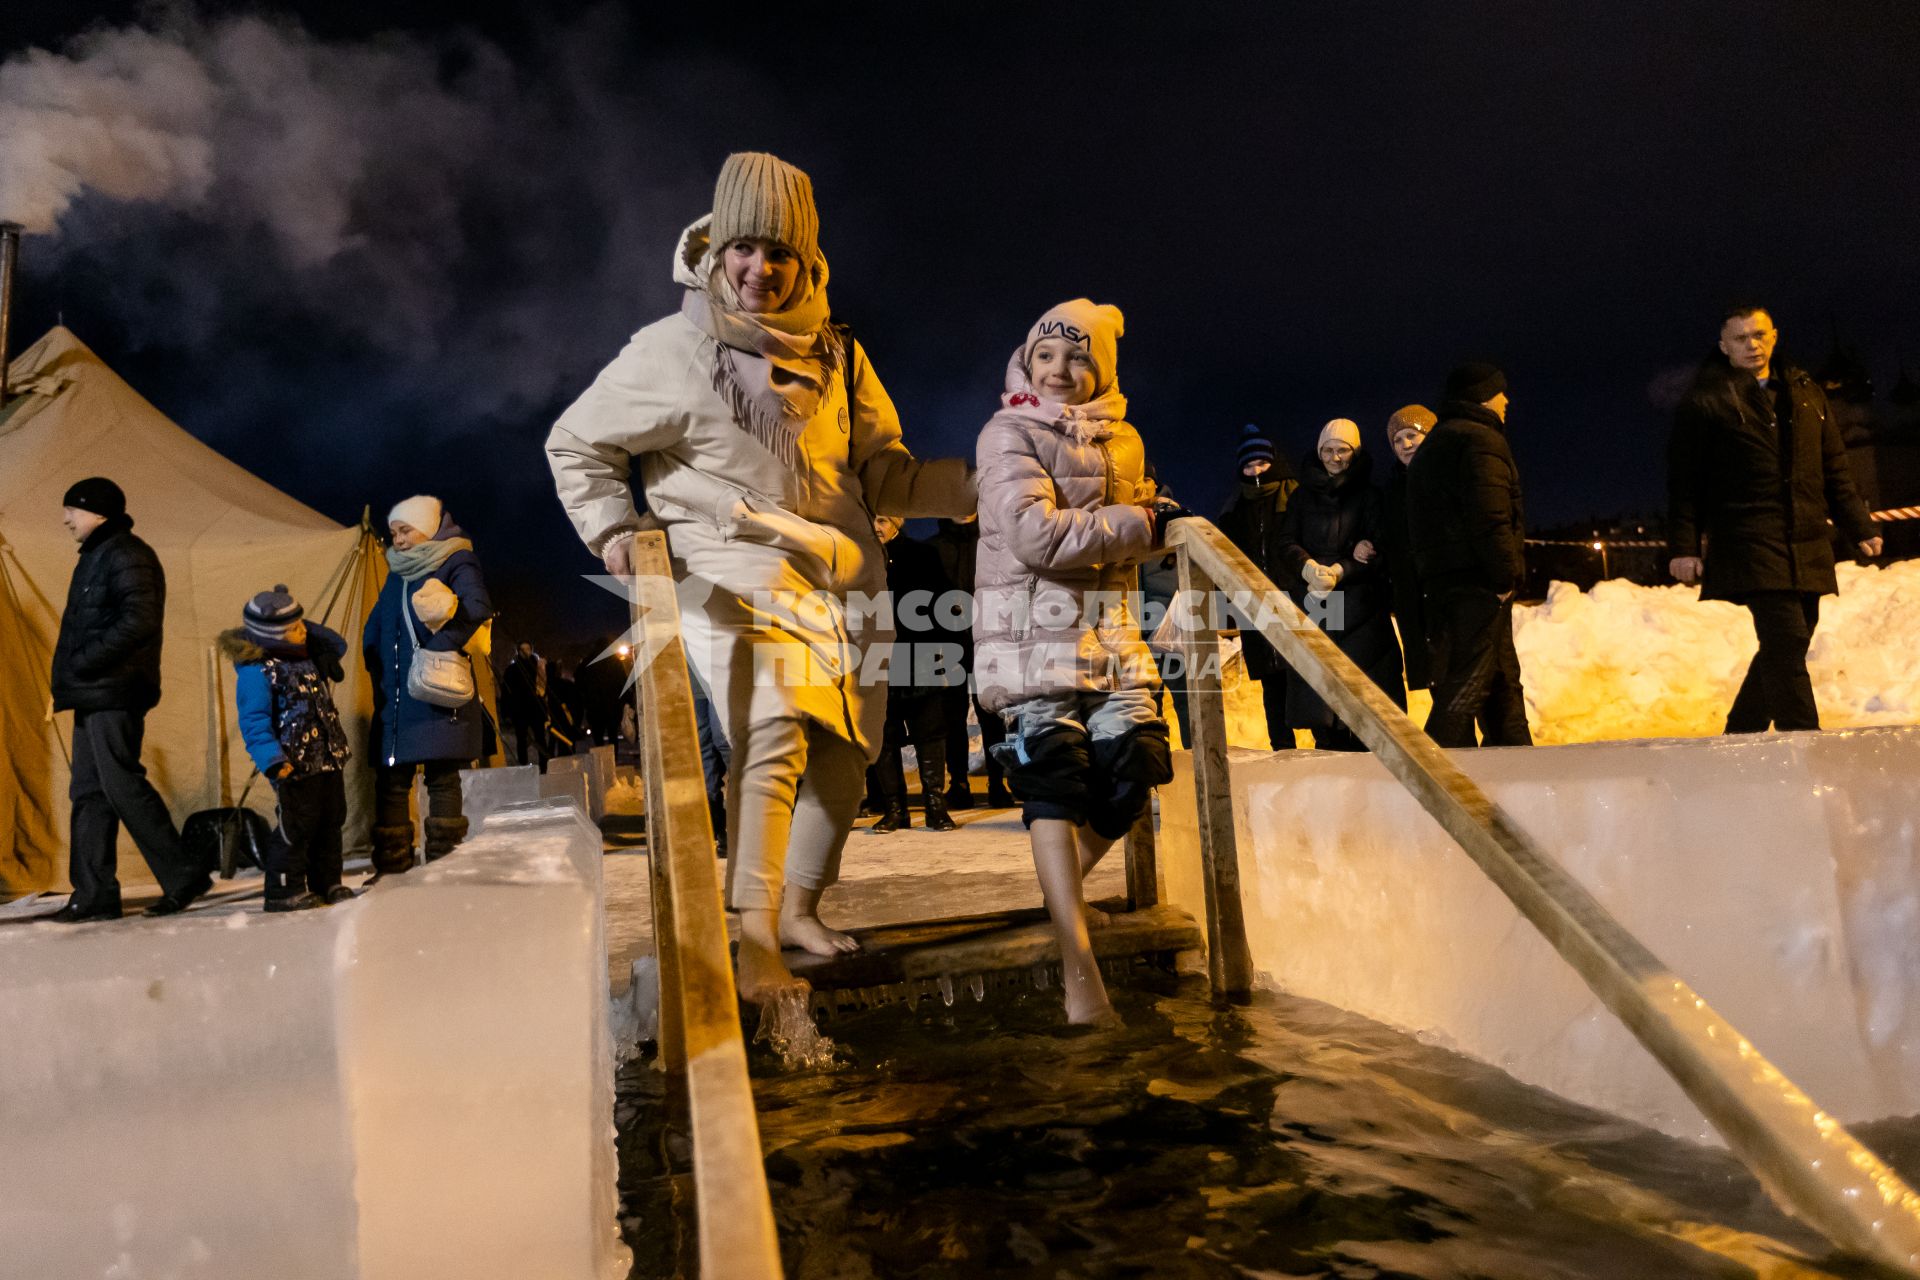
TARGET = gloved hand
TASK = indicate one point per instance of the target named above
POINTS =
(1310, 571)
(435, 604)
(1164, 514)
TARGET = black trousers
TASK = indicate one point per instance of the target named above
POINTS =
(1777, 691)
(1273, 700)
(530, 740)
(390, 808)
(1476, 672)
(109, 786)
(919, 717)
(305, 851)
(992, 733)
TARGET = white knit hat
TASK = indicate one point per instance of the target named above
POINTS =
(421, 511)
(1093, 327)
(1345, 430)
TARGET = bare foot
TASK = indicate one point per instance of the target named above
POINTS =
(762, 973)
(1097, 1012)
(810, 934)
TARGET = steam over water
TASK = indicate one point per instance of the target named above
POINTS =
(1283, 1139)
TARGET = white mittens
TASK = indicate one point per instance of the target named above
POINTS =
(435, 604)
(1320, 578)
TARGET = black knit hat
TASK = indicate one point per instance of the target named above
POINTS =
(1254, 447)
(1475, 383)
(271, 614)
(97, 494)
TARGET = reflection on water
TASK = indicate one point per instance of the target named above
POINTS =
(1283, 1139)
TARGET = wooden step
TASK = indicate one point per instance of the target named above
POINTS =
(987, 943)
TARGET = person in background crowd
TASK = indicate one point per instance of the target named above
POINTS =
(958, 544)
(434, 599)
(765, 444)
(926, 666)
(282, 667)
(1066, 516)
(1406, 432)
(1330, 540)
(1251, 522)
(106, 670)
(713, 768)
(1468, 525)
(523, 694)
(563, 707)
(1755, 466)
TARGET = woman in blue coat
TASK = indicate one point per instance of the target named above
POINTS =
(436, 590)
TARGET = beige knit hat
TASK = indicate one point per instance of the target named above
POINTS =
(762, 197)
(1341, 430)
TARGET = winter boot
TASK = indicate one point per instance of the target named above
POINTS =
(892, 818)
(293, 902)
(998, 797)
(392, 850)
(442, 835)
(960, 796)
(937, 819)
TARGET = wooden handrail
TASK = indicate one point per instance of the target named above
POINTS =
(1802, 1154)
(700, 1042)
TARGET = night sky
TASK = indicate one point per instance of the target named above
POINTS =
(423, 227)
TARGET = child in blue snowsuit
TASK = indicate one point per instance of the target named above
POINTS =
(283, 666)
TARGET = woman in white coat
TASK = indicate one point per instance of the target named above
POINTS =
(764, 445)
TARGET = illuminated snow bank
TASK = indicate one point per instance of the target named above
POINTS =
(416, 1084)
(1625, 661)
(1779, 874)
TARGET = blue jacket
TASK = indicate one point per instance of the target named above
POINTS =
(263, 726)
(406, 731)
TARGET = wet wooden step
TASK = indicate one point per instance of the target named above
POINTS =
(1007, 940)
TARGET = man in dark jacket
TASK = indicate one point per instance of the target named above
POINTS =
(523, 701)
(106, 670)
(957, 543)
(1468, 527)
(1756, 465)
(1251, 522)
(925, 664)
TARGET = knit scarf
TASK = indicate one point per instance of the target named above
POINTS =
(1258, 488)
(421, 559)
(1082, 423)
(774, 368)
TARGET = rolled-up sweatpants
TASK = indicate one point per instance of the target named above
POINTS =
(793, 791)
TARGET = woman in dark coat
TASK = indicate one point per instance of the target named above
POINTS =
(1251, 522)
(1329, 540)
(436, 588)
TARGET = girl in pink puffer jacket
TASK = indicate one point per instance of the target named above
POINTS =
(1066, 514)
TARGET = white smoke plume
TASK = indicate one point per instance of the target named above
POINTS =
(485, 226)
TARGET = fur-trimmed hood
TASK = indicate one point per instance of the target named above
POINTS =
(325, 647)
(239, 649)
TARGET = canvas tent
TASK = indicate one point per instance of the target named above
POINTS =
(222, 534)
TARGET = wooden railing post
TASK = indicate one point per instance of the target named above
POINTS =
(1143, 868)
(700, 1042)
(1801, 1154)
(1229, 961)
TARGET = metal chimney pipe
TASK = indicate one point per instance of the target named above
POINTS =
(9, 258)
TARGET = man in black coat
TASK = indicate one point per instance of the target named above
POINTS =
(924, 666)
(1755, 466)
(1251, 522)
(1468, 527)
(523, 697)
(106, 670)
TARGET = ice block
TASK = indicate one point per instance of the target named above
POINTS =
(1777, 873)
(417, 1083)
(484, 790)
(586, 768)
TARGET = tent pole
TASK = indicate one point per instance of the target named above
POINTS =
(9, 259)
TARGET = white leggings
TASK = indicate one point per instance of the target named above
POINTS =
(793, 791)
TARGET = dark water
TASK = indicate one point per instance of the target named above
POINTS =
(1283, 1139)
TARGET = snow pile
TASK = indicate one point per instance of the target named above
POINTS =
(1626, 661)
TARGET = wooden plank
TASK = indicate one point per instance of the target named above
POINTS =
(732, 1206)
(1801, 1154)
(1143, 864)
(984, 944)
(1229, 960)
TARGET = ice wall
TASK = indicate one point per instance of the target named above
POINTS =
(414, 1084)
(1779, 874)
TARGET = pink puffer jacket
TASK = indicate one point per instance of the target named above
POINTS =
(1060, 540)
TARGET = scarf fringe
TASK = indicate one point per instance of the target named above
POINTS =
(778, 434)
